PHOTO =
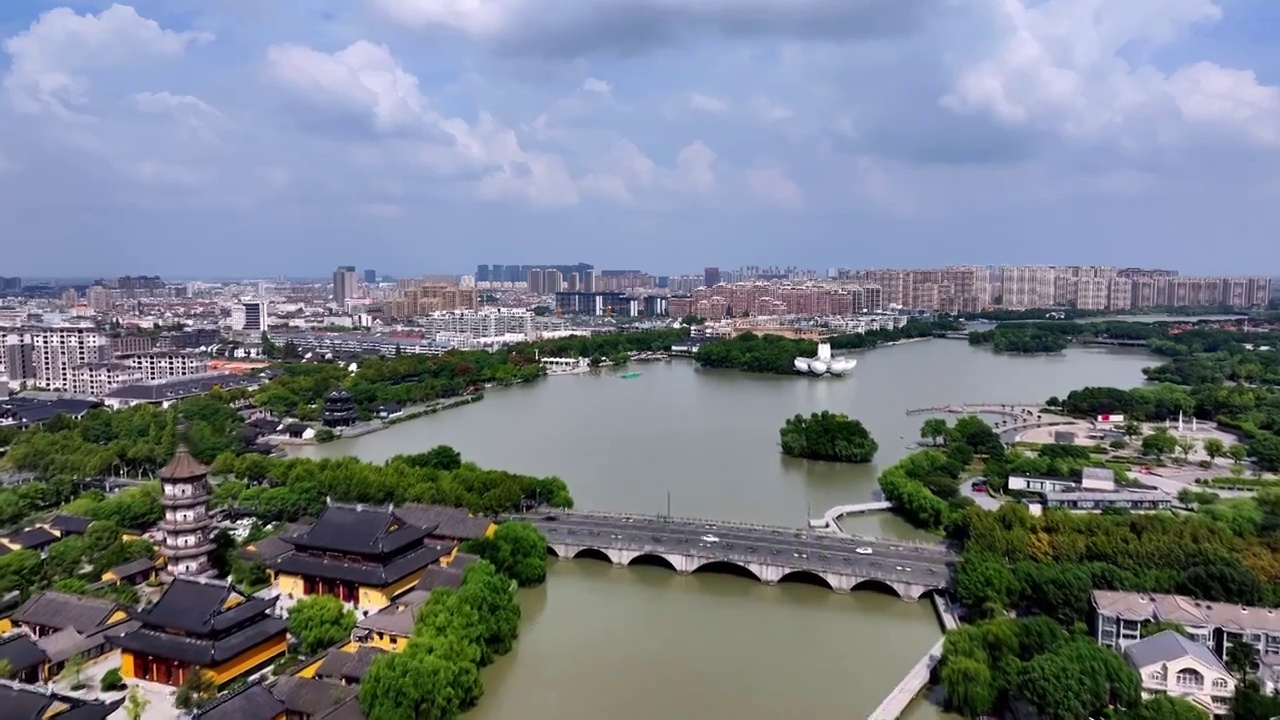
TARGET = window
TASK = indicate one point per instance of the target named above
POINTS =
(1220, 684)
(1188, 678)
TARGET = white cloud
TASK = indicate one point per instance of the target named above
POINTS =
(774, 186)
(627, 171)
(366, 79)
(155, 172)
(165, 102)
(1060, 67)
(708, 104)
(697, 166)
(769, 112)
(50, 60)
(596, 85)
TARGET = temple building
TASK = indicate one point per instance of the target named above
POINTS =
(186, 525)
(200, 624)
(363, 555)
(339, 410)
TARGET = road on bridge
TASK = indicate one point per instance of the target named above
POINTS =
(768, 545)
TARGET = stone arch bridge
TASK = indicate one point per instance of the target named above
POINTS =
(769, 554)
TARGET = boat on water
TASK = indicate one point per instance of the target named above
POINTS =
(628, 376)
(825, 364)
(566, 366)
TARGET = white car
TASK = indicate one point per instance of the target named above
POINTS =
(710, 539)
(863, 551)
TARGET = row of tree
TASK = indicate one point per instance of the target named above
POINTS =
(437, 676)
(74, 564)
(274, 489)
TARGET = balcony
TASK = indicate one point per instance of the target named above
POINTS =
(182, 501)
(177, 552)
(185, 526)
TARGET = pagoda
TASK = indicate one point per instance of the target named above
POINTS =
(188, 541)
(339, 410)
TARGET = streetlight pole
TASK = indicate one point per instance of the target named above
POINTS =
(668, 506)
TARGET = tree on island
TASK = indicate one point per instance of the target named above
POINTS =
(934, 429)
(828, 436)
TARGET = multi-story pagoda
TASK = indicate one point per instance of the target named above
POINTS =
(339, 410)
(360, 554)
(188, 541)
(202, 625)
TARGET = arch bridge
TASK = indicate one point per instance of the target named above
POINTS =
(769, 554)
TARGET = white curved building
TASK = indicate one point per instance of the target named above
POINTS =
(824, 364)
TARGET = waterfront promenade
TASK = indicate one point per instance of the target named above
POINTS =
(917, 678)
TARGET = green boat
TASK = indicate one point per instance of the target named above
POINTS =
(628, 376)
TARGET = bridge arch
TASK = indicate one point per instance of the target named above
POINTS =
(806, 577)
(880, 586)
(593, 554)
(726, 567)
(551, 550)
(652, 560)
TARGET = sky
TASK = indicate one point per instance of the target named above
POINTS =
(242, 137)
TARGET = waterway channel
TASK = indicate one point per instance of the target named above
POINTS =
(642, 642)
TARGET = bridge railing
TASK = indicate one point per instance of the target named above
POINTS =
(744, 525)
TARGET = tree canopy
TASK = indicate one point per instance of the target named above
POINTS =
(320, 621)
(517, 549)
(828, 436)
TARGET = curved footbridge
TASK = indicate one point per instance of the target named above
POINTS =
(769, 553)
(828, 520)
(1013, 410)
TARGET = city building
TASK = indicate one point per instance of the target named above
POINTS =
(1133, 501)
(187, 542)
(99, 378)
(166, 392)
(1118, 617)
(345, 286)
(371, 276)
(44, 357)
(362, 555)
(359, 343)
(596, 303)
(426, 298)
(166, 364)
(249, 316)
(128, 344)
(200, 625)
(1171, 664)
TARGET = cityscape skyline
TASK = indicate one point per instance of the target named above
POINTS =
(837, 133)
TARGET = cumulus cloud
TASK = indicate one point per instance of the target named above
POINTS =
(586, 26)
(596, 85)
(1060, 66)
(366, 80)
(50, 60)
(627, 172)
(708, 103)
(772, 185)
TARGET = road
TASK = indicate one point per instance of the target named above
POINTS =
(801, 549)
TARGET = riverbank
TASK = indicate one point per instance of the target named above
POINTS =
(411, 413)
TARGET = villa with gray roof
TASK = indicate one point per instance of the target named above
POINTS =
(1170, 663)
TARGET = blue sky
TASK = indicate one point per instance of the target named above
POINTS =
(241, 137)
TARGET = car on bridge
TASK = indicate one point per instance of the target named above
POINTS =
(710, 539)
(863, 550)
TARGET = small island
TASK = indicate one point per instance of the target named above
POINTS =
(828, 436)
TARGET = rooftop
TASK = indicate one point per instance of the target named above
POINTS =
(36, 702)
(70, 524)
(63, 610)
(21, 653)
(398, 617)
(203, 607)
(36, 537)
(348, 666)
(445, 522)
(1186, 611)
(177, 388)
(1168, 646)
(1107, 497)
(252, 702)
(359, 530)
(441, 577)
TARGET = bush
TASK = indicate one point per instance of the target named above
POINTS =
(111, 681)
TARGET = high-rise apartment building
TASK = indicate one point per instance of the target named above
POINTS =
(588, 284)
(44, 357)
(710, 277)
(249, 316)
(371, 277)
(427, 298)
(99, 298)
(344, 285)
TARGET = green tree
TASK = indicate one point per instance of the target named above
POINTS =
(135, 704)
(1237, 452)
(970, 688)
(1159, 443)
(1186, 446)
(518, 550)
(1214, 448)
(111, 681)
(199, 687)
(984, 583)
(319, 622)
(1156, 627)
(443, 457)
(1131, 428)
(934, 429)
(416, 684)
(827, 436)
(1240, 659)
(1164, 707)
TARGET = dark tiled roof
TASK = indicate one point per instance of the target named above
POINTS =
(310, 696)
(360, 530)
(462, 560)
(201, 651)
(349, 710)
(183, 467)
(252, 702)
(398, 618)
(21, 653)
(29, 702)
(350, 666)
(445, 522)
(70, 524)
(189, 605)
(182, 387)
(266, 549)
(365, 573)
(441, 577)
(132, 567)
(64, 610)
(34, 538)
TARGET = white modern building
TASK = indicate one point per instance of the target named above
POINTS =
(490, 322)
(98, 379)
(1170, 663)
(824, 363)
(249, 316)
(162, 365)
